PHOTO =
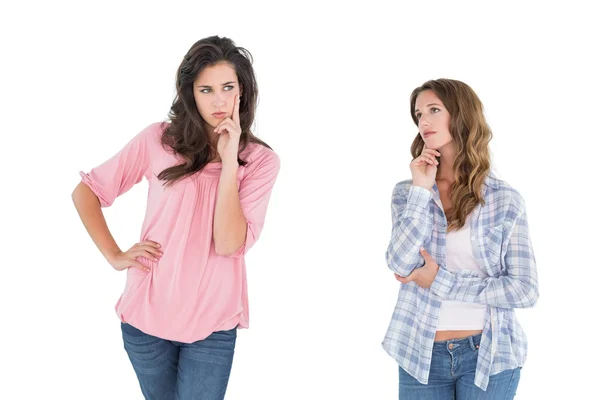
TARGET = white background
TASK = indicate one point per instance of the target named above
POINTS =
(79, 80)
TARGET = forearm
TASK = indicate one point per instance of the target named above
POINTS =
(516, 288)
(229, 225)
(411, 230)
(90, 212)
(504, 291)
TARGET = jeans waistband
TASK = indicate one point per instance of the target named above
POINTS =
(469, 341)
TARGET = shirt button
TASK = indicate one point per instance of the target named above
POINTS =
(472, 238)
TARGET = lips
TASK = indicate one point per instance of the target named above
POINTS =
(427, 134)
(219, 115)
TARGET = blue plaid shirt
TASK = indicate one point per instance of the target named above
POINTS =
(502, 248)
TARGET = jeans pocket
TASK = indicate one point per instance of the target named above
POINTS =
(135, 337)
(223, 339)
(130, 330)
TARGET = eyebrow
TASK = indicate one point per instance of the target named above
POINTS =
(429, 105)
(223, 84)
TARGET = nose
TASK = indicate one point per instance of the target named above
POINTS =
(424, 122)
(218, 100)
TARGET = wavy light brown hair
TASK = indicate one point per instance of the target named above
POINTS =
(471, 134)
(187, 135)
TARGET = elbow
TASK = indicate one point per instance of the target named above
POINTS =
(532, 296)
(76, 194)
(403, 254)
(227, 250)
(82, 193)
(396, 265)
(233, 245)
(222, 251)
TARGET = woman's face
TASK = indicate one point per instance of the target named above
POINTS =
(215, 89)
(434, 120)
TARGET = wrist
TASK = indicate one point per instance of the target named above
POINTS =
(110, 255)
(229, 166)
(423, 185)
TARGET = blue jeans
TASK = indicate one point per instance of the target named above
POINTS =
(169, 370)
(452, 375)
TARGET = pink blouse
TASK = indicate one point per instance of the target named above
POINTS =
(191, 291)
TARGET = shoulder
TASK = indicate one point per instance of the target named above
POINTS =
(504, 195)
(152, 136)
(155, 128)
(151, 133)
(258, 156)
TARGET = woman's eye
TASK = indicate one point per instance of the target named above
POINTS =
(228, 88)
(418, 115)
(204, 90)
(435, 110)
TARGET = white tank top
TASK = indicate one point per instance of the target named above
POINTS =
(458, 315)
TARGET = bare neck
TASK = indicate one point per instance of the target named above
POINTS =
(445, 171)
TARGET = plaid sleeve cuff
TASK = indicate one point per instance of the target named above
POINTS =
(443, 282)
(417, 202)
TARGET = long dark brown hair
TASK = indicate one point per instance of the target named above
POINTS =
(471, 134)
(186, 135)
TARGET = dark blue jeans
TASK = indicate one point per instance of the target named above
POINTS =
(168, 370)
(452, 375)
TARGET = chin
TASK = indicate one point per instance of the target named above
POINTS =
(431, 144)
(436, 144)
(211, 122)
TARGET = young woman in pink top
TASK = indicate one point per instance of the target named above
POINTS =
(209, 180)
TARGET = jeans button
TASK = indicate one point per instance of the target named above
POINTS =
(451, 346)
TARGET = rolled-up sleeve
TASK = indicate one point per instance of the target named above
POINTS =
(118, 174)
(411, 227)
(255, 192)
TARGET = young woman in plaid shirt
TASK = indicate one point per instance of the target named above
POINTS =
(460, 246)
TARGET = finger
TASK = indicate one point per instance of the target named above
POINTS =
(136, 264)
(144, 253)
(218, 127)
(426, 256)
(429, 156)
(221, 129)
(231, 128)
(420, 161)
(153, 250)
(224, 122)
(422, 158)
(398, 277)
(236, 109)
(431, 151)
(150, 255)
(224, 125)
(231, 124)
(151, 243)
(431, 159)
(147, 244)
(428, 160)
